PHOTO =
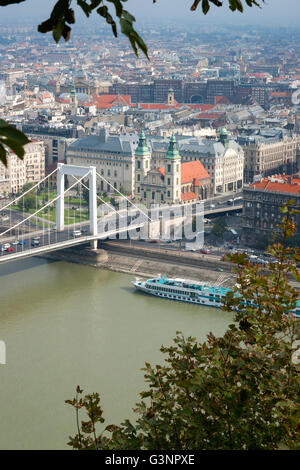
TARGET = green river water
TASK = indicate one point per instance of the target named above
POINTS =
(65, 325)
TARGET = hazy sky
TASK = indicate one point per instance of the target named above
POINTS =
(279, 12)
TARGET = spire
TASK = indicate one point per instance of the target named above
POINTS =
(142, 148)
(73, 89)
(172, 150)
(224, 136)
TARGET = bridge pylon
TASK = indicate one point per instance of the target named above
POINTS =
(80, 172)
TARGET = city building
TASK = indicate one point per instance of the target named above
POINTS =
(20, 172)
(174, 182)
(222, 159)
(261, 205)
(113, 157)
(266, 156)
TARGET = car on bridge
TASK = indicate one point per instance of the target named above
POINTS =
(77, 233)
(10, 249)
(35, 241)
(22, 242)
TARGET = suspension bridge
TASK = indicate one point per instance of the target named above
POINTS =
(41, 219)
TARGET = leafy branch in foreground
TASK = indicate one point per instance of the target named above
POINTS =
(238, 391)
(13, 139)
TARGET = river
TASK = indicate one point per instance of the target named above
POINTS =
(66, 324)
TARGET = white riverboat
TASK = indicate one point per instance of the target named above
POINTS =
(190, 291)
(184, 290)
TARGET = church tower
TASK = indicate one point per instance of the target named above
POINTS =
(73, 100)
(171, 97)
(224, 137)
(173, 173)
(142, 164)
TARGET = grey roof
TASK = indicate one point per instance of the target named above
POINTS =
(122, 144)
(127, 144)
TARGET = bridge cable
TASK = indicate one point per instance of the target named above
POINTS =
(130, 202)
(39, 210)
(26, 192)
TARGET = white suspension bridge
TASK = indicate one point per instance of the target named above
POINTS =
(41, 220)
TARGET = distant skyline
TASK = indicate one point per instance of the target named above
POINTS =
(277, 12)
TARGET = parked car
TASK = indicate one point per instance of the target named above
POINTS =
(152, 241)
(220, 270)
(205, 251)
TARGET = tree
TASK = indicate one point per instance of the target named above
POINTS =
(219, 227)
(238, 391)
(29, 202)
(62, 16)
(86, 192)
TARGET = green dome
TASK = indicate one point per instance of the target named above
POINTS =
(142, 148)
(172, 150)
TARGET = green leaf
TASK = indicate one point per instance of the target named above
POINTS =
(85, 7)
(205, 6)
(13, 139)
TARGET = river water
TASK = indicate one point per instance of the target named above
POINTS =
(65, 325)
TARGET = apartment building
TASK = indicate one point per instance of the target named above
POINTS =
(266, 156)
(261, 205)
(20, 172)
(223, 159)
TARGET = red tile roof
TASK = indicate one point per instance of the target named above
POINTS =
(191, 172)
(107, 101)
(281, 183)
(188, 196)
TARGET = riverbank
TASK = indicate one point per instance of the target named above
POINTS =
(148, 261)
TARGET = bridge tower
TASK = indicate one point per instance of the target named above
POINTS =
(79, 172)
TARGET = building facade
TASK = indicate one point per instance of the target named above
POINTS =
(261, 205)
(265, 157)
(20, 172)
(113, 156)
(222, 159)
(172, 183)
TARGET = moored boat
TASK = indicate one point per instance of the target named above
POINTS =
(190, 291)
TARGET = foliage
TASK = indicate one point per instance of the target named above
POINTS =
(13, 139)
(239, 391)
(29, 202)
(86, 192)
(27, 186)
(234, 5)
(219, 227)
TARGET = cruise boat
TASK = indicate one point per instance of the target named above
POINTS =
(186, 290)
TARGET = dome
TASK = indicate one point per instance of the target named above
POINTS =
(224, 131)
